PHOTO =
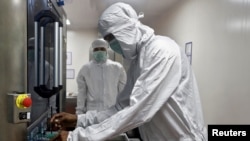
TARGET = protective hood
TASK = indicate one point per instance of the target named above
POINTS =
(122, 21)
(99, 43)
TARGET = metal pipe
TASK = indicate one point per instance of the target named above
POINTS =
(60, 56)
(41, 72)
(36, 53)
(56, 24)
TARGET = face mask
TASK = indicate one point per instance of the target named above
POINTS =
(100, 56)
(114, 44)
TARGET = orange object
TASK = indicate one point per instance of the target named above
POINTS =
(23, 101)
(27, 102)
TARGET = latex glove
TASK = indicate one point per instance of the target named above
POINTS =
(64, 120)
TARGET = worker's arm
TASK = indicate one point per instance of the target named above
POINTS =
(159, 78)
(122, 79)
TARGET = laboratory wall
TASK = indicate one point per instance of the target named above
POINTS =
(220, 34)
(78, 44)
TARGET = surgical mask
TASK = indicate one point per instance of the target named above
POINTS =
(115, 45)
(100, 56)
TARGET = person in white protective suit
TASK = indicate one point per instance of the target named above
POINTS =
(161, 96)
(39, 104)
(100, 80)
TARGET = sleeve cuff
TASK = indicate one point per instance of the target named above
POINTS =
(80, 120)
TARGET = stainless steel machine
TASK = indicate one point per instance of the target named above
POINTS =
(13, 69)
(17, 25)
(20, 20)
(47, 24)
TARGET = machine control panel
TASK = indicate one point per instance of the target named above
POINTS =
(19, 107)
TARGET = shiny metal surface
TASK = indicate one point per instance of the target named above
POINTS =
(56, 53)
(13, 64)
(121, 137)
(34, 7)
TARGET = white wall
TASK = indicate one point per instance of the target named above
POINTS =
(78, 43)
(220, 32)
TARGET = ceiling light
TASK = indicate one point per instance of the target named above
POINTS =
(67, 22)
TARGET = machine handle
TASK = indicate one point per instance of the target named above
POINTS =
(56, 52)
(41, 20)
(60, 55)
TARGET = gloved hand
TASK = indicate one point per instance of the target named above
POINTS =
(62, 136)
(63, 120)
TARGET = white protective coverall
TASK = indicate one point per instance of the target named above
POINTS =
(164, 100)
(99, 82)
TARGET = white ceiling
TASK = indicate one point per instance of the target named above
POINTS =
(84, 14)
